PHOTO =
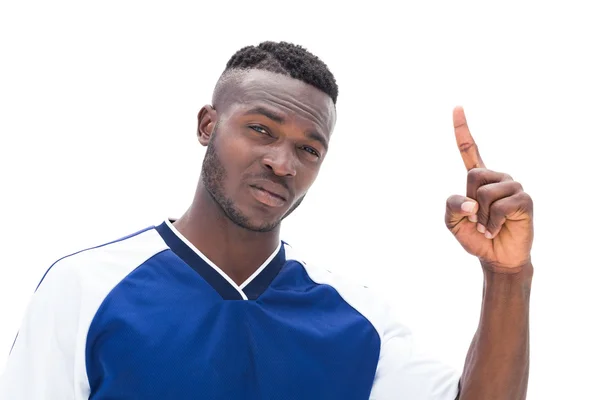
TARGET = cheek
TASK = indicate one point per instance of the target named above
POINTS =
(236, 156)
(305, 180)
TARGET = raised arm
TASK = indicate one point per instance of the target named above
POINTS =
(494, 222)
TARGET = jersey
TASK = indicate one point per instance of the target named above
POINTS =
(150, 317)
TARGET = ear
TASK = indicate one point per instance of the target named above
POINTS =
(207, 119)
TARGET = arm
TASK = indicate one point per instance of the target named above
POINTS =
(497, 364)
(494, 222)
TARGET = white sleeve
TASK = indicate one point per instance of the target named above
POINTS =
(404, 372)
(41, 363)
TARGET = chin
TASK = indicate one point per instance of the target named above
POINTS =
(257, 220)
(264, 222)
(259, 225)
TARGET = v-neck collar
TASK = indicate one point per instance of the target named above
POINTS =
(251, 289)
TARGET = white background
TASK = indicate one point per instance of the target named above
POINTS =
(98, 106)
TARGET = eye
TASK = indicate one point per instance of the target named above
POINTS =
(310, 150)
(259, 129)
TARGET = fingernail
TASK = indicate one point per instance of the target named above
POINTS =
(473, 218)
(488, 234)
(468, 206)
(481, 228)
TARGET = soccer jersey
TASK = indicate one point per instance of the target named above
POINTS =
(150, 317)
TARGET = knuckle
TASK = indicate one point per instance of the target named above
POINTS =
(483, 193)
(518, 187)
(498, 210)
(464, 147)
(474, 175)
(452, 200)
(453, 203)
(526, 196)
(526, 200)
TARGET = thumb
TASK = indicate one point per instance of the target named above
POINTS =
(459, 207)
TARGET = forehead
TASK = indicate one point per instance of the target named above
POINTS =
(296, 99)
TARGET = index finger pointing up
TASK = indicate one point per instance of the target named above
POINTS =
(468, 149)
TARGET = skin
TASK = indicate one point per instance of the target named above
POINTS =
(263, 130)
(494, 222)
(271, 131)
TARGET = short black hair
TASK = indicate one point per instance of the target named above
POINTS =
(288, 59)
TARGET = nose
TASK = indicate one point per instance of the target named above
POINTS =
(281, 161)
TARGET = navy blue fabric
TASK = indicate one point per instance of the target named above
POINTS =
(261, 282)
(192, 259)
(165, 332)
(254, 289)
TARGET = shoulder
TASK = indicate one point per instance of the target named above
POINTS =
(365, 300)
(404, 369)
(105, 264)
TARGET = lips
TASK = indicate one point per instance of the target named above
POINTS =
(272, 188)
(269, 194)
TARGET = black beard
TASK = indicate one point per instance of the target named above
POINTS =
(213, 175)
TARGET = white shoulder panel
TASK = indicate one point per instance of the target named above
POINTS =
(403, 371)
(359, 297)
(47, 361)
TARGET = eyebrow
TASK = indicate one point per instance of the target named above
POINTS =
(267, 113)
(319, 138)
(314, 135)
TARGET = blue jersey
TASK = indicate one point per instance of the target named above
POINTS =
(150, 317)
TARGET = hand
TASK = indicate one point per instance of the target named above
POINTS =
(495, 220)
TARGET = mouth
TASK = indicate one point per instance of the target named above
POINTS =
(280, 196)
(267, 197)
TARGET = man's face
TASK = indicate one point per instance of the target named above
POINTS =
(267, 137)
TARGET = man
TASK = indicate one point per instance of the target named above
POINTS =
(214, 305)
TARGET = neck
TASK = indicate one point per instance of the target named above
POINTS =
(239, 252)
